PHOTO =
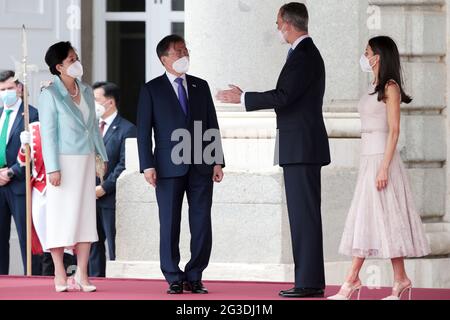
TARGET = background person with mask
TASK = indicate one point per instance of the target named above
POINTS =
(115, 131)
(303, 144)
(168, 103)
(70, 142)
(12, 175)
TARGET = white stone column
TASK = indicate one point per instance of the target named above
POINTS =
(447, 216)
(236, 41)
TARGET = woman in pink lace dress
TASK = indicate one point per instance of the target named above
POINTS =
(382, 221)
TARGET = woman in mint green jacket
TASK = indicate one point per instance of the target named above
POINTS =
(70, 143)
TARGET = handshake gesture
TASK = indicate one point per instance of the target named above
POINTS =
(232, 95)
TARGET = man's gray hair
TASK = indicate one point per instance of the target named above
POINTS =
(296, 14)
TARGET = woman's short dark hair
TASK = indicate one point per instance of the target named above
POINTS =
(164, 45)
(112, 91)
(56, 54)
(296, 14)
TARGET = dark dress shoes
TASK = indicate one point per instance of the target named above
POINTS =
(302, 293)
(175, 288)
(195, 287)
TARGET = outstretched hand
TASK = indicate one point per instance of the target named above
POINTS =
(232, 95)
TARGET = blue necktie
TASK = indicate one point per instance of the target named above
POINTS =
(291, 51)
(182, 95)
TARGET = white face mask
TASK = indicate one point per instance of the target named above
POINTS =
(100, 110)
(181, 65)
(365, 64)
(282, 36)
(75, 70)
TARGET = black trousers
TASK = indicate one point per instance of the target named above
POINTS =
(303, 195)
(106, 229)
(12, 206)
(170, 193)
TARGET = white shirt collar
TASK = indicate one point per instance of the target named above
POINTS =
(297, 42)
(110, 119)
(15, 107)
(173, 77)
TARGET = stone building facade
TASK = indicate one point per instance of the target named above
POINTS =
(235, 41)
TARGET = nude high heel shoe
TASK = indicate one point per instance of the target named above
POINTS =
(81, 287)
(63, 288)
(348, 291)
(400, 289)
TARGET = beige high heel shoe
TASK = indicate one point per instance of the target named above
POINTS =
(350, 289)
(63, 288)
(81, 287)
(398, 287)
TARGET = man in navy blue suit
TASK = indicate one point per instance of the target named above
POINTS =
(115, 130)
(303, 143)
(169, 107)
(12, 175)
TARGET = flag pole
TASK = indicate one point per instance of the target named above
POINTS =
(27, 150)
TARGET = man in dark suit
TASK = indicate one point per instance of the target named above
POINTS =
(12, 175)
(115, 130)
(303, 144)
(170, 105)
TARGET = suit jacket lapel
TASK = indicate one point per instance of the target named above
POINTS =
(68, 100)
(112, 129)
(297, 49)
(73, 109)
(193, 93)
(88, 99)
(17, 122)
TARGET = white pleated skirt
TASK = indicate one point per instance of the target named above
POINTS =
(71, 208)
(383, 224)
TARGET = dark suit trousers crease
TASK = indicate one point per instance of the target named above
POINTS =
(11, 205)
(106, 229)
(170, 193)
(303, 194)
